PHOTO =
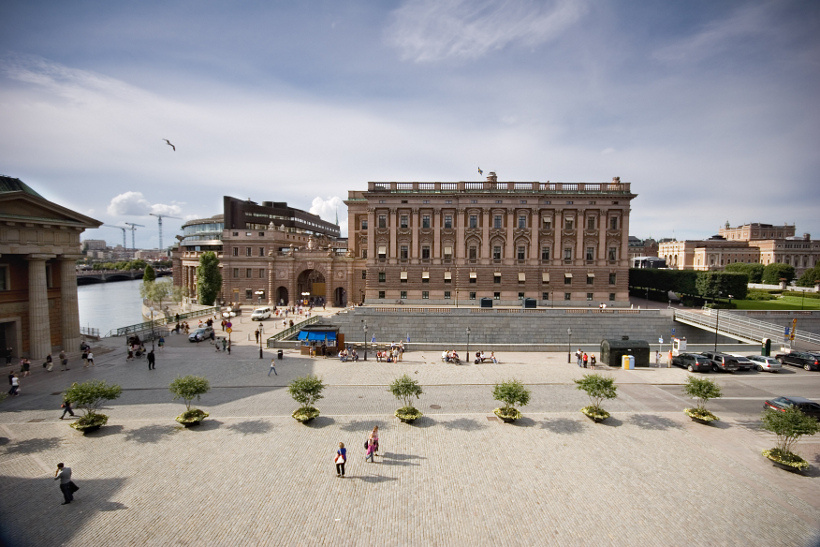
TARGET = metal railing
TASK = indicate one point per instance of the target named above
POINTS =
(290, 331)
(161, 321)
(737, 326)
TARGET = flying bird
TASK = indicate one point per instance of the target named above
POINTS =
(171, 145)
(480, 172)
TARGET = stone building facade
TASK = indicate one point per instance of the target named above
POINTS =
(39, 246)
(456, 243)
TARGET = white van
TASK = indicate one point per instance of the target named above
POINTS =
(260, 313)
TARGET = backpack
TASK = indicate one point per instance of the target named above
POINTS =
(366, 442)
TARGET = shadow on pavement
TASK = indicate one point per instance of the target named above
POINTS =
(150, 434)
(463, 424)
(525, 422)
(251, 427)
(423, 423)
(389, 458)
(653, 422)
(319, 422)
(372, 478)
(362, 425)
(31, 446)
(112, 506)
(611, 422)
(105, 431)
(206, 425)
(563, 426)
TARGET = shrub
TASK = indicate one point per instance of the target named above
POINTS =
(701, 389)
(404, 389)
(773, 273)
(598, 388)
(90, 396)
(306, 390)
(789, 426)
(511, 393)
(189, 388)
(759, 295)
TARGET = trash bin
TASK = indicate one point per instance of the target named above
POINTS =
(628, 362)
(280, 354)
(486, 302)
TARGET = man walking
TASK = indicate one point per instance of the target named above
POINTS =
(63, 360)
(67, 408)
(63, 474)
(90, 359)
(151, 360)
(273, 367)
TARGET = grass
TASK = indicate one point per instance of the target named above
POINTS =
(782, 303)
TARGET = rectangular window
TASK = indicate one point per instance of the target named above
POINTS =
(472, 295)
(4, 278)
(497, 252)
(546, 223)
(261, 273)
(381, 295)
(613, 253)
(382, 277)
(261, 251)
(236, 251)
(545, 296)
(425, 252)
(364, 224)
(425, 277)
(248, 294)
(613, 223)
(473, 278)
(448, 277)
(236, 273)
(567, 253)
(403, 295)
(521, 296)
(589, 296)
(404, 221)
(248, 272)
(364, 253)
(590, 279)
(522, 278)
(472, 253)
(448, 221)
(567, 296)
(382, 251)
(448, 253)
(473, 221)
(248, 251)
(522, 253)
(569, 224)
(425, 295)
(591, 223)
(382, 221)
(612, 297)
(545, 253)
(522, 222)
(545, 278)
(497, 279)
(590, 253)
(403, 277)
(612, 278)
(446, 295)
(364, 274)
(496, 296)
(497, 221)
(403, 252)
(567, 279)
(425, 221)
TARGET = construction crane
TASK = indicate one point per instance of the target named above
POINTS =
(133, 228)
(124, 246)
(159, 221)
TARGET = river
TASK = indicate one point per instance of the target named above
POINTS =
(108, 306)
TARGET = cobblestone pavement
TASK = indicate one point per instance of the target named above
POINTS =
(251, 475)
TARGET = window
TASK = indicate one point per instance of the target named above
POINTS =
(472, 295)
(364, 253)
(613, 253)
(425, 252)
(261, 251)
(589, 296)
(381, 295)
(590, 253)
(382, 252)
(613, 223)
(546, 223)
(403, 221)
(382, 221)
(545, 253)
(425, 221)
(448, 221)
(567, 253)
(567, 296)
(522, 252)
(425, 277)
(403, 277)
(261, 273)
(473, 277)
(425, 295)
(497, 278)
(545, 278)
(522, 222)
(473, 221)
(364, 224)
(521, 296)
(591, 223)
(612, 297)
(497, 221)
(4, 278)
(545, 296)
(248, 272)
(403, 295)
(448, 277)
(248, 294)
(364, 274)
(446, 295)
(403, 252)
(382, 277)
(569, 224)
(236, 273)
(612, 278)
(248, 251)
(497, 252)
(567, 279)
(496, 296)
(235, 234)
(472, 253)
(590, 279)
(522, 278)
(448, 253)
(236, 251)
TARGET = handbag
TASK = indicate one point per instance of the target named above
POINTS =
(340, 459)
(73, 487)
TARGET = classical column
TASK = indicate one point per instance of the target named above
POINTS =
(70, 317)
(371, 235)
(623, 257)
(393, 225)
(535, 255)
(509, 247)
(415, 226)
(460, 253)
(486, 251)
(39, 335)
(603, 225)
(436, 236)
(558, 243)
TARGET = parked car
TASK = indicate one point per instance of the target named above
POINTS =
(722, 361)
(809, 361)
(260, 314)
(742, 363)
(200, 334)
(692, 362)
(810, 408)
(761, 363)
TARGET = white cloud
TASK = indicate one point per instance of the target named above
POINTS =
(328, 209)
(432, 30)
(134, 204)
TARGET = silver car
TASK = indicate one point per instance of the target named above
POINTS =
(761, 362)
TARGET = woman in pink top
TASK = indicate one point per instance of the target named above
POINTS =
(372, 444)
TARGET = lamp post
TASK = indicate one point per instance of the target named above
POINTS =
(229, 326)
(717, 320)
(569, 345)
(261, 332)
(468, 344)
(364, 328)
(152, 328)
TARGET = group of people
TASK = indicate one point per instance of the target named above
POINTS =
(450, 356)
(350, 355)
(583, 359)
(371, 447)
(394, 354)
(480, 357)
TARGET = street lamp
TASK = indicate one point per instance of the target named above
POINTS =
(152, 328)
(468, 344)
(717, 320)
(569, 345)
(229, 326)
(364, 328)
(261, 332)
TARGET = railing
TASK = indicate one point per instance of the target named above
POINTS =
(290, 331)
(146, 325)
(738, 326)
(89, 331)
(493, 187)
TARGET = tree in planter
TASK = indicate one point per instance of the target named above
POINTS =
(306, 390)
(598, 388)
(189, 388)
(208, 280)
(789, 426)
(701, 389)
(511, 393)
(89, 397)
(404, 389)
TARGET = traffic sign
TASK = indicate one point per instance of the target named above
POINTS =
(229, 330)
(660, 340)
(228, 324)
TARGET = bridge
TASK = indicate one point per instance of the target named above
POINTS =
(742, 328)
(88, 277)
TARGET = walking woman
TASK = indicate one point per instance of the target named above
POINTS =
(341, 458)
(372, 444)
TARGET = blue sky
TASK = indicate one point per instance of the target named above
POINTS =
(708, 108)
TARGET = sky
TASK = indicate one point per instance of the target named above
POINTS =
(709, 109)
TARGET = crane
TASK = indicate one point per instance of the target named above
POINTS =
(124, 246)
(159, 221)
(133, 228)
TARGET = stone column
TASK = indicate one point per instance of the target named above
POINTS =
(393, 225)
(603, 226)
(486, 250)
(436, 218)
(415, 226)
(70, 317)
(460, 220)
(39, 335)
(535, 254)
(371, 235)
(509, 247)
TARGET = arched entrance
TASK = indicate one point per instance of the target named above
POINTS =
(281, 296)
(310, 286)
(340, 297)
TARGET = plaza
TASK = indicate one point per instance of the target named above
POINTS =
(251, 475)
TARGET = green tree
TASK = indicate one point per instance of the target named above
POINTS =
(149, 275)
(161, 291)
(773, 273)
(598, 388)
(511, 393)
(90, 396)
(809, 277)
(306, 390)
(789, 426)
(716, 285)
(209, 280)
(189, 388)
(702, 389)
(754, 271)
(405, 388)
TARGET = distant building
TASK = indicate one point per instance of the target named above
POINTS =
(39, 246)
(754, 231)
(642, 247)
(94, 245)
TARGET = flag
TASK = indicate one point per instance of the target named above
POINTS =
(480, 172)
(408, 337)
(373, 340)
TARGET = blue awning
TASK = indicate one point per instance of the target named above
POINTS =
(317, 336)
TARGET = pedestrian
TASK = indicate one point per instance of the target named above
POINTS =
(340, 459)
(592, 360)
(224, 344)
(25, 368)
(586, 359)
(85, 356)
(151, 360)
(579, 355)
(66, 406)
(15, 385)
(90, 359)
(161, 342)
(273, 367)
(256, 333)
(63, 360)
(67, 486)
(372, 444)
(49, 362)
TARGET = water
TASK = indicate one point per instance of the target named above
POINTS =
(109, 306)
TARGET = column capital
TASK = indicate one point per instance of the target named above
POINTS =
(70, 256)
(40, 256)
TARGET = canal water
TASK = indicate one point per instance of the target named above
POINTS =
(109, 306)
